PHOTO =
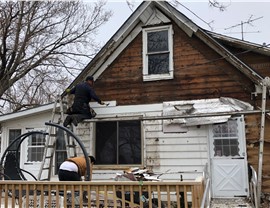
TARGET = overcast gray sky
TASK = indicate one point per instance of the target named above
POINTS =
(227, 22)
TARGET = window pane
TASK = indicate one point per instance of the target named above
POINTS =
(35, 154)
(129, 142)
(232, 129)
(60, 153)
(118, 142)
(36, 140)
(234, 150)
(106, 142)
(226, 150)
(36, 144)
(14, 134)
(157, 41)
(158, 64)
(218, 142)
(228, 129)
(226, 139)
(226, 147)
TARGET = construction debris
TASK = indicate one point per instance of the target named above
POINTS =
(137, 174)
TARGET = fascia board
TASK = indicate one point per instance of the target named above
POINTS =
(111, 45)
(28, 112)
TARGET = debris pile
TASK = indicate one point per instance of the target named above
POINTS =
(137, 174)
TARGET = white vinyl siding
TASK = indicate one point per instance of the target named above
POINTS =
(177, 155)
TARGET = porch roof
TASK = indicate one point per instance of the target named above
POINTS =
(27, 112)
(208, 111)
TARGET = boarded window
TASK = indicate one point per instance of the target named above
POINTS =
(118, 143)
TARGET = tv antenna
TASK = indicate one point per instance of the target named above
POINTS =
(249, 21)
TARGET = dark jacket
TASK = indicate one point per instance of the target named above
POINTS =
(84, 93)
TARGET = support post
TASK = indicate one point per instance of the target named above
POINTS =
(265, 84)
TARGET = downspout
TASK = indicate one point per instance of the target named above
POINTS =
(265, 84)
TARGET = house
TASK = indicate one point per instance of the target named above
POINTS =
(182, 100)
(15, 124)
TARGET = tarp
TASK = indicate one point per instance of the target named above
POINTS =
(215, 107)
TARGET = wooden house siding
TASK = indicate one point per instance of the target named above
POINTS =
(259, 62)
(252, 136)
(199, 72)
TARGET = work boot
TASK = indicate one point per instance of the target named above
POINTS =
(67, 121)
(75, 121)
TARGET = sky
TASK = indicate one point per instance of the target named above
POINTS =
(254, 16)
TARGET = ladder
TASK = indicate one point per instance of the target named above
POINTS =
(46, 168)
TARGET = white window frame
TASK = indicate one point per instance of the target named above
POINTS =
(35, 146)
(240, 136)
(154, 77)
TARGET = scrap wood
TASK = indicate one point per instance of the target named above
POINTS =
(137, 174)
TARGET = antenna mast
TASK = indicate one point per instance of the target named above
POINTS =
(242, 23)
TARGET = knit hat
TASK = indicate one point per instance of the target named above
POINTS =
(89, 78)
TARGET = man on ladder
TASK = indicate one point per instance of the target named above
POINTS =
(80, 108)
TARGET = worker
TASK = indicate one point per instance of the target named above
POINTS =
(80, 108)
(72, 169)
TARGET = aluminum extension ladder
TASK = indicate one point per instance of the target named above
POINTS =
(47, 164)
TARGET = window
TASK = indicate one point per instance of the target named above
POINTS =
(13, 134)
(36, 144)
(226, 139)
(118, 143)
(61, 150)
(157, 53)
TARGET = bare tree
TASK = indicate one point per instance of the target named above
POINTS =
(212, 3)
(43, 44)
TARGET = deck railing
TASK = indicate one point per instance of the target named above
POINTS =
(206, 200)
(101, 194)
(253, 184)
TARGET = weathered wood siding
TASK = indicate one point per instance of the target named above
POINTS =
(199, 72)
(258, 62)
(253, 135)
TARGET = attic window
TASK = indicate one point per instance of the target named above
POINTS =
(157, 53)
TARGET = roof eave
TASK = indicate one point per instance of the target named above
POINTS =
(182, 21)
(27, 112)
(111, 45)
(261, 49)
(230, 57)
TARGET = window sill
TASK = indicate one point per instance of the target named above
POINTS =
(157, 77)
